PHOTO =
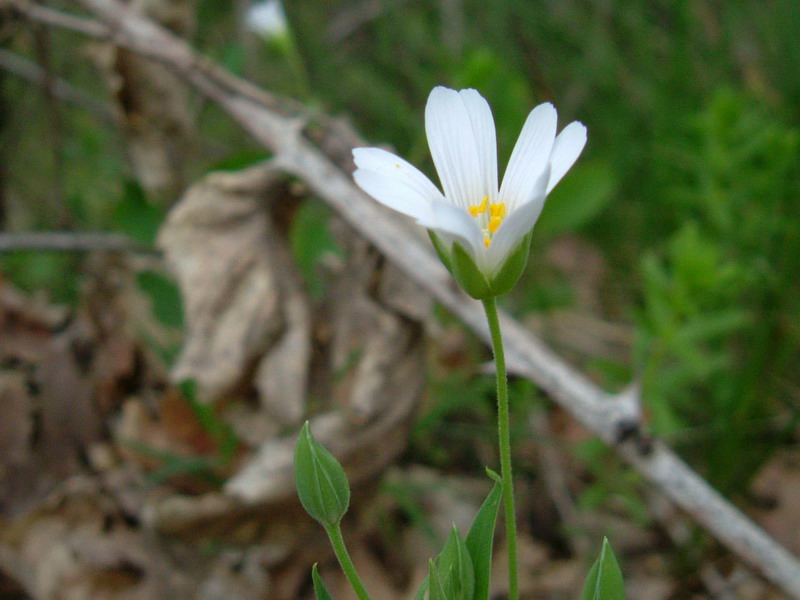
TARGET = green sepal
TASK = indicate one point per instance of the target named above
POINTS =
(441, 251)
(604, 581)
(471, 279)
(467, 274)
(512, 268)
(320, 591)
(480, 537)
(321, 482)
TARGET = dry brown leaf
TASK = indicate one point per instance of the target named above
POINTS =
(216, 241)
(48, 413)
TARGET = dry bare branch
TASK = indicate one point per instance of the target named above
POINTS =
(70, 241)
(56, 18)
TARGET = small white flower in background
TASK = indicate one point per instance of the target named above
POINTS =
(480, 231)
(267, 19)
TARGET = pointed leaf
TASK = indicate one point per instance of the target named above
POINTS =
(320, 591)
(480, 538)
(604, 581)
(436, 586)
(422, 589)
(454, 568)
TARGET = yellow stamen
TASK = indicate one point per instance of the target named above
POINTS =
(497, 209)
(486, 241)
(494, 224)
(477, 209)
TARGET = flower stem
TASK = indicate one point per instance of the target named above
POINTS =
(343, 556)
(504, 438)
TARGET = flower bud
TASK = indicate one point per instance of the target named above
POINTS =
(321, 482)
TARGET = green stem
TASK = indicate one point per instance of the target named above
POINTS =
(302, 82)
(504, 437)
(337, 541)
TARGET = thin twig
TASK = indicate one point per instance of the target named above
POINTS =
(69, 241)
(55, 18)
(29, 71)
(574, 391)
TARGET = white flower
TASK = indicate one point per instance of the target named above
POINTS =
(488, 222)
(267, 19)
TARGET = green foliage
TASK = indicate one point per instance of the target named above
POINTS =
(604, 581)
(164, 295)
(321, 482)
(136, 216)
(199, 468)
(56, 273)
(218, 429)
(613, 487)
(466, 581)
(203, 468)
(578, 199)
(719, 321)
(310, 240)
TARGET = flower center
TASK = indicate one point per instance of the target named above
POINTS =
(489, 217)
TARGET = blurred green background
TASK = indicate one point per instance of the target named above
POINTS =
(681, 216)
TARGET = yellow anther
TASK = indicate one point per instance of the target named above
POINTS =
(497, 209)
(494, 223)
(477, 209)
(486, 241)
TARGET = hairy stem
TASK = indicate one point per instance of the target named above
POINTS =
(504, 440)
(343, 556)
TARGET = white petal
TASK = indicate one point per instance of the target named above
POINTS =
(396, 194)
(566, 150)
(455, 148)
(454, 224)
(480, 116)
(517, 224)
(396, 168)
(530, 156)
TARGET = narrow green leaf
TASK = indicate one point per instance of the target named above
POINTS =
(321, 482)
(604, 581)
(454, 569)
(479, 541)
(436, 586)
(320, 591)
(422, 589)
